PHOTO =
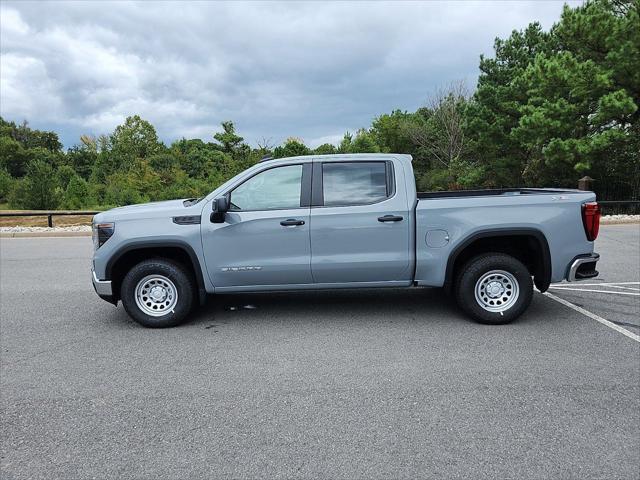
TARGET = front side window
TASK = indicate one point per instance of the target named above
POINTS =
(276, 188)
(356, 183)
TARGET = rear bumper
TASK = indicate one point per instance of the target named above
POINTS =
(583, 267)
(102, 287)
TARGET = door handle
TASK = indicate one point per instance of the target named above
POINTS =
(391, 218)
(292, 222)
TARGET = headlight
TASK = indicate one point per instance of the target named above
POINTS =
(101, 233)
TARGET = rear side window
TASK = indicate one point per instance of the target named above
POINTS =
(354, 183)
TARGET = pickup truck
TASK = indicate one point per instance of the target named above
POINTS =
(343, 221)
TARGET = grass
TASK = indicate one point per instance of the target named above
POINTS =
(58, 221)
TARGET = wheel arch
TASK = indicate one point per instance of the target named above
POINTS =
(133, 253)
(529, 245)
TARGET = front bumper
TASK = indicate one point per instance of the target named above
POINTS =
(583, 267)
(102, 287)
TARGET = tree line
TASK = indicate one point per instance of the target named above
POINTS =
(548, 108)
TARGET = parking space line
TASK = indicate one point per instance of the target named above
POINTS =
(595, 317)
(606, 284)
(633, 289)
(598, 291)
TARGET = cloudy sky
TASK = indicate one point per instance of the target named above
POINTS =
(311, 70)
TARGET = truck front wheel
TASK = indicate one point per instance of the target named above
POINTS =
(494, 288)
(157, 293)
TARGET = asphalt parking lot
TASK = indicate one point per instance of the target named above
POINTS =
(369, 384)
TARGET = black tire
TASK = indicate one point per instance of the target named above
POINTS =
(478, 268)
(159, 268)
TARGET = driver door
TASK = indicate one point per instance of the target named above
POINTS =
(264, 240)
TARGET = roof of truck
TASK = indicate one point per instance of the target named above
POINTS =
(356, 157)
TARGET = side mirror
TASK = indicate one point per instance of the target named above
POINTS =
(220, 206)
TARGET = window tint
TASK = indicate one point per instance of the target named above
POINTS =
(276, 188)
(357, 183)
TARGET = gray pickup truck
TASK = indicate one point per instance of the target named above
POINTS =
(343, 221)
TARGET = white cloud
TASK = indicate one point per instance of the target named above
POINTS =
(39, 99)
(11, 22)
(308, 70)
(334, 139)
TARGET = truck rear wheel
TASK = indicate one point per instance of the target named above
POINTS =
(494, 288)
(157, 293)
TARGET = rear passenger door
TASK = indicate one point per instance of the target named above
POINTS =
(359, 223)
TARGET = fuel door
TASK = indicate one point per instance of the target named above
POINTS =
(437, 238)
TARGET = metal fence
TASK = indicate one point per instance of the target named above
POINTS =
(623, 207)
(609, 207)
(47, 213)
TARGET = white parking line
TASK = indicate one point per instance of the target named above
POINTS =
(595, 317)
(605, 284)
(633, 289)
(598, 291)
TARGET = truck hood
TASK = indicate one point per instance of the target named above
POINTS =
(145, 210)
(149, 206)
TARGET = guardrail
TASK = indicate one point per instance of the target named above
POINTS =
(47, 213)
(611, 207)
(63, 213)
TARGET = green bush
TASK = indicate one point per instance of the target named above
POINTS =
(76, 196)
(38, 190)
(64, 174)
(6, 184)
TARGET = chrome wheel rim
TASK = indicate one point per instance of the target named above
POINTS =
(156, 295)
(497, 291)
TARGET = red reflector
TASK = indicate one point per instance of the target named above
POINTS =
(591, 220)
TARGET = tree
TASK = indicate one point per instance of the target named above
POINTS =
(555, 105)
(325, 149)
(30, 138)
(13, 157)
(439, 128)
(293, 147)
(390, 132)
(265, 147)
(82, 158)
(549, 107)
(37, 190)
(363, 142)
(494, 113)
(230, 142)
(345, 143)
(137, 185)
(76, 194)
(6, 184)
(203, 160)
(583, 97)
(134, 139)
(64, 174)
(163, 162)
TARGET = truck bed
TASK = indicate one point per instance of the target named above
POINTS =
(495, 192)
(446, 220)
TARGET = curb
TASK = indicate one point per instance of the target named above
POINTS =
(619, 222)
(43, 234)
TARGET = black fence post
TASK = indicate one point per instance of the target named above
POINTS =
(585, 183)
(50, 220)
